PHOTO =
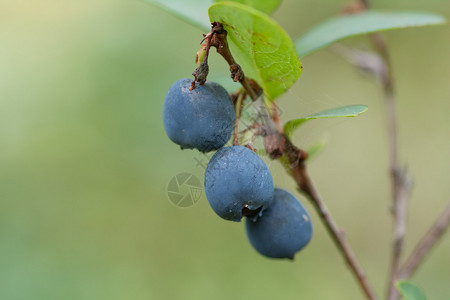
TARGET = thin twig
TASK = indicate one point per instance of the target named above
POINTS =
(401, 188)
(425, 244)
(201, 72)
(238, 109)
(335, 232)
(276, 143)
(402, 191)
(276, 116)
(401, 184)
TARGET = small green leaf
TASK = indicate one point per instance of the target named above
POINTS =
(266, 6)
(410, 291)
(315, 149)
(344, 111)
(194, 12)
(345, 26)
(262, 48)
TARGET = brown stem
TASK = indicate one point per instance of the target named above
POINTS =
(276, 116)
(399, 204)
(401, 184)
(219, 40)
(402, 188)
(277, 144)
(201, 73)
(426, 244)
(305, 184)
(238, 108)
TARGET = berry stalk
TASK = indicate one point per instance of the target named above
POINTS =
(278, 145)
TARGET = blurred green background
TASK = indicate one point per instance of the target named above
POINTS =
(85, 162)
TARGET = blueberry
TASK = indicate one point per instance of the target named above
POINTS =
(202, 118)
(283, 230)
(237, 183)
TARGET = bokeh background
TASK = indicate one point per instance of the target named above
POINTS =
(85, 162)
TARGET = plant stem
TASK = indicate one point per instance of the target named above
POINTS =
(279, 144)
(401, 184)
(238, 109)
(399, 188)
(425, 244)
(276, 116)
(338, 235)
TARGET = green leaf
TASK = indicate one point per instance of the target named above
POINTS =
(194, 12)
(410, 291)
(344, 111)
(266, 6)
(315, 149)
(346, 26)
(262, 48)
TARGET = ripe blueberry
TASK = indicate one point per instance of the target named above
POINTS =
(202, 118)
(237, 183)
(284, 229)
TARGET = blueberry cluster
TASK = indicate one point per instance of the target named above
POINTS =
(237, 181)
